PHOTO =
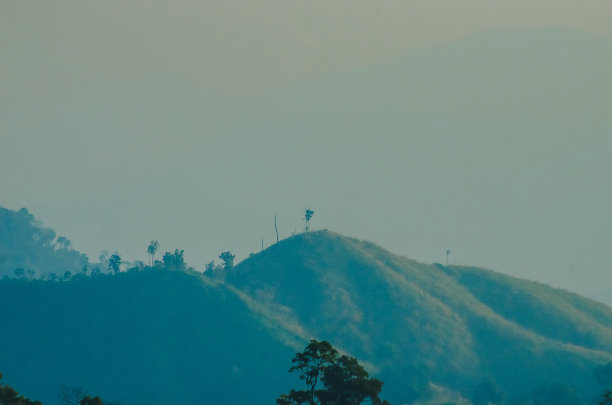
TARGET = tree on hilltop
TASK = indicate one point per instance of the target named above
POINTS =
(228, 260)
(307, 216)
(152, 249)
(114, 262)
(174, 261)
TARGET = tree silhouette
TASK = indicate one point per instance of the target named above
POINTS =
(63, 242)
(174, 261)
(228, 260)
(8, 396)
(152, 249)
(331, 379)
(70, 395)
(91, 401)
(114, 262)
(307, 216)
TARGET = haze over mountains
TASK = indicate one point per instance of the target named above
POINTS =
(495, 146)
(150, 336)
(475, 127)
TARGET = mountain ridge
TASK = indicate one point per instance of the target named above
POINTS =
(409, 284)
(421, 328)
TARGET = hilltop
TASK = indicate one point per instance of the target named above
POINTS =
(422, 323)
(161, 336)
(29, 249)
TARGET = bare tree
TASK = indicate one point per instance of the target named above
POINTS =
(70, 395)
(447, 253)
(276, 228)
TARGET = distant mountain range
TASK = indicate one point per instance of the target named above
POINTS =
(433, 332)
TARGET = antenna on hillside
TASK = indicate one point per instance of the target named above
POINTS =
(447, 253)
(262, 243)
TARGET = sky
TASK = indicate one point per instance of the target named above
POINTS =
(482, 127)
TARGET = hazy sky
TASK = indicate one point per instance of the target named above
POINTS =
(484, 127)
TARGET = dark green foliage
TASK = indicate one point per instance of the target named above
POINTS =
(330, 378)
(606, 398)
(228, 260)
(91, 401)
(487, 392)
(173, 337)
(8, 396)
(114, 263)
(154, 337)
(174, 261)
(555, 394)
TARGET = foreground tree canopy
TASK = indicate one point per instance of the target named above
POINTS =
(331, 379)
(8, 396)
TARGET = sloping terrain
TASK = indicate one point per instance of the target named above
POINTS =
(416, 323)
(160, 336)
(33, 249)
(155, 337)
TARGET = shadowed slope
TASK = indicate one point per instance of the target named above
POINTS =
(159, 336)
(156, 337)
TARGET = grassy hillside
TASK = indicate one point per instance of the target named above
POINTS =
(414, 322)
(160, 336)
